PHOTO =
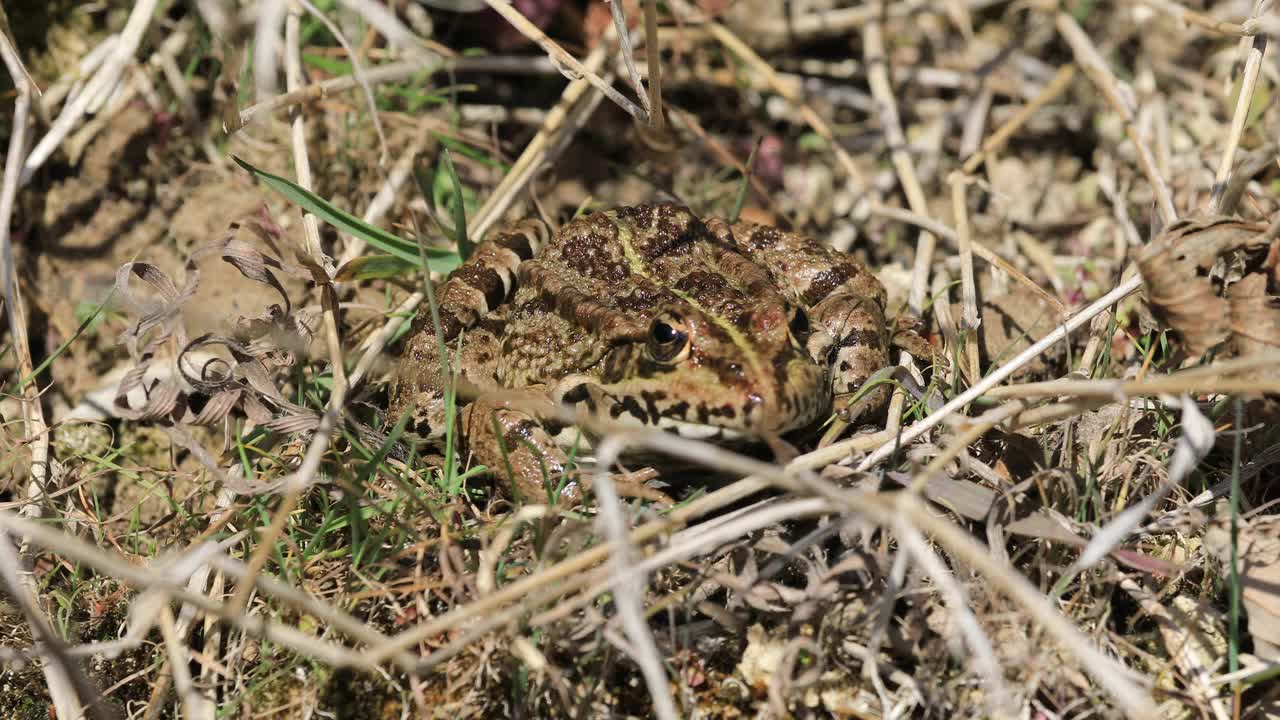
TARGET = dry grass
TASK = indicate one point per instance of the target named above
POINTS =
(1071, 517)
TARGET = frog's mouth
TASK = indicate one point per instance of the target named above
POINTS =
(570, 437)
(697, 431)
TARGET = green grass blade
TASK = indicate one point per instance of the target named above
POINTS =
(371, 267)
(22, 384)
(438, 260)
(1233, 611)
(741, 198)
(459, 206)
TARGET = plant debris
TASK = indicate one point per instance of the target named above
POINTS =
(211, 516)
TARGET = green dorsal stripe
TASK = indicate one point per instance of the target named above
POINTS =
(639, 267)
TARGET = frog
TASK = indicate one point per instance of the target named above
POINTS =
(639, 316)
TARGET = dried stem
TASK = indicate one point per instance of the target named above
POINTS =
(878, 77)
(357, 67)
(302, 479)
(564, 59)
(628, 54)
(631, 584)
(653, 56)
(391, 72)
(1253, 51)
(1004, 371)
(970, 319)
(66, 686)
(96, 90)
(1191, 17)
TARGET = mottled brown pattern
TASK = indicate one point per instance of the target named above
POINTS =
(775, 325)
(484, 279)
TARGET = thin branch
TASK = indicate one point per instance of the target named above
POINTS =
(877, 62)
(653, 57)
(1248, 82)
(1000, 374)
(630, 584)
(628, 55)
(1191, 17)
(970, 319)
(564, 59)
(391, 72)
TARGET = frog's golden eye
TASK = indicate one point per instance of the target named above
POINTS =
(668, 338)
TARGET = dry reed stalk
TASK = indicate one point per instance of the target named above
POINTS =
(1253, 51)
(564, 59)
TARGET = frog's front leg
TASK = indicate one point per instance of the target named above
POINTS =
(503, 432)
(473, 294)
(847, 330)
(513, 434)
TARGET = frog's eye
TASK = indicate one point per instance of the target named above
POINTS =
(799, 325)
(668, 338)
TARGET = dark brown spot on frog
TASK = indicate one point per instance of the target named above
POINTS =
(678, 410)
(826, 281)
(674, 235)
(516, 242)
(763, 238)
(860, 338)
(579, 394)
(725, 411)
(450, 325)
(630, 406)
(702, 284)
(638, 216)
(640, 301)
(651, 398)
(484, 279)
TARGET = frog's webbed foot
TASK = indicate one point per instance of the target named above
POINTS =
(505, 434)
(634, 485)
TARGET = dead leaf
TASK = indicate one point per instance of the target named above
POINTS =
(216, 375)
(1186, 295)
(1255, 316)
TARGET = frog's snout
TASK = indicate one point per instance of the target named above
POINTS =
(791, 399)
